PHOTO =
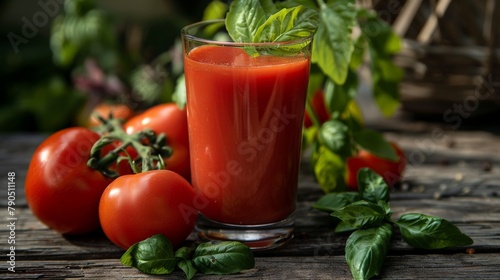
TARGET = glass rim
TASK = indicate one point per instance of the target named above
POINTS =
(185, 34)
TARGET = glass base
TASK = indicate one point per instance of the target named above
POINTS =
(257, 237)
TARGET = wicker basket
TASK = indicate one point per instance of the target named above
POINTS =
(451, 55)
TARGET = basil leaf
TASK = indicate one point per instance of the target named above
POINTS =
(386, 207)
(332, 46)
(428, 232)
(269, 7)
(335, 201)
(334, 135)
(154, 255)
(375, 143)
(361, 214)
(344, 227)
(372, 186)
(329, 170)
(366, 250)
(223, 258)
(244, 18)
(311, 4)
(288, 24)
(185, 263)
(338, 97)
(188, 267)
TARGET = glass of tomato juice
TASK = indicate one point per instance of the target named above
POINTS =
(245, 106)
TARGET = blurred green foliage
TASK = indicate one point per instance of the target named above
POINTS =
(46, 82)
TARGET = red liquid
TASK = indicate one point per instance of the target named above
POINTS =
(245, 120)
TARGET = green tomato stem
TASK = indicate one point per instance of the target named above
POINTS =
(150, 148)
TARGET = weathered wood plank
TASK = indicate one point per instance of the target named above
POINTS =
(453, 266)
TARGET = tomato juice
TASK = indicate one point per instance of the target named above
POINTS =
(245, 118)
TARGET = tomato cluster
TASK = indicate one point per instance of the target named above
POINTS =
(68, 196)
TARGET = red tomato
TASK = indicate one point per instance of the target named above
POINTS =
(391, 171)
(135, 207)
(318, 104)
(354, 164)
(169, 119)
(62, 192)
(119, 111)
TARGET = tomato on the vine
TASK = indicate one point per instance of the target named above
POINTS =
(391, 171)
(61, 190)
(135, 207)
(169, 119)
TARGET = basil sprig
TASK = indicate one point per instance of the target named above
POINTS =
(258, 21)
(368, 215)
(156, 255)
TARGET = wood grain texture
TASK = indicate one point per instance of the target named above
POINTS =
(456, 176)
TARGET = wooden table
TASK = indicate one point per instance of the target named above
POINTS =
(455, 176)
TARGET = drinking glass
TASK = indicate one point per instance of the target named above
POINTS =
(245, 106)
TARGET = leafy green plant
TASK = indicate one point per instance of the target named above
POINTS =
(86, 34)
(368, 216)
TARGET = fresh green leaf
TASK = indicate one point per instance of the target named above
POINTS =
(366, 250)
(342, 227)
(335, 201)
(188, 267)
(223, 258)
(334, 135)
(185, 263)
(244, 18)
(154, 255)
(386, 207)
(361, 214)
(288, 24)
(338, 97)
(329, 169)
(372, 186)
(428, 232)
(269, 7)
(332, 46)
(375, 143)
(311, 4)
